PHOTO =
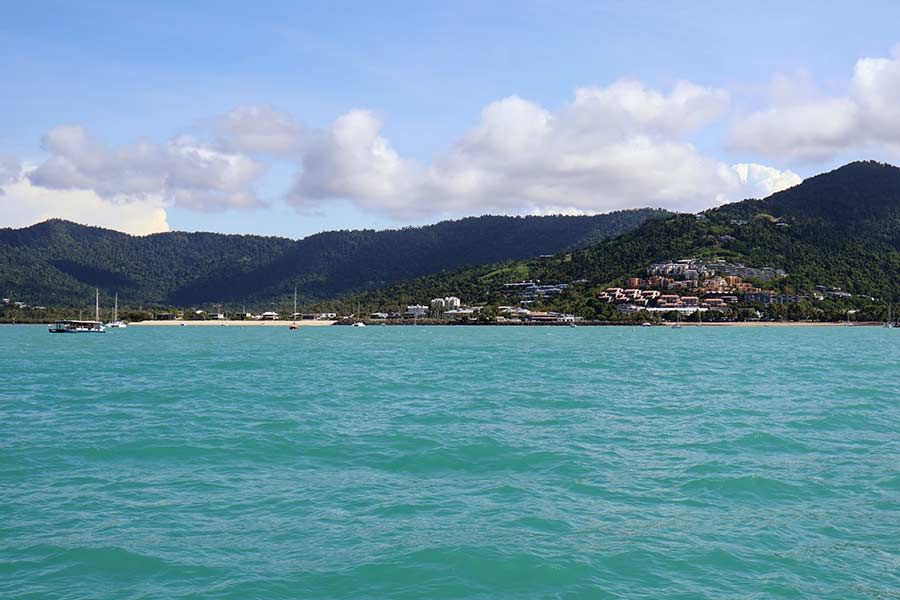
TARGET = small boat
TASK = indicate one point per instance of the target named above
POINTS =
(646, 324)
(67, 326)
(358, 323)
(677, 324)
(116, 323)
(294, 326)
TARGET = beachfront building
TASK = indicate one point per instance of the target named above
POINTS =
(462, 313)
(414, 311)
(441, 305)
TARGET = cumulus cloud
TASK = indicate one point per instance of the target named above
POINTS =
(761, 181)
(352, 160)
(23, 203)
(10, 169)
(183, 172)
(818, 128)
(259, 129)
(612, 147)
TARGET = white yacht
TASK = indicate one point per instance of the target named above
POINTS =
(116, 323)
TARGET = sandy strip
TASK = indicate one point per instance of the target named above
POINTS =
(781, 324)
(229, 323)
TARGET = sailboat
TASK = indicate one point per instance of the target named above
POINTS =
(358, 323)
(890, 320)
(677, 324)
(294, 326)
(116, 323)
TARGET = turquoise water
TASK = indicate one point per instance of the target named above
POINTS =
(450, 463)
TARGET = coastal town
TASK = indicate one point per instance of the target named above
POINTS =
(711, 290)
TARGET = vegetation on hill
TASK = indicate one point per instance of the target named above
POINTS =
(839, 229)
(59, 263)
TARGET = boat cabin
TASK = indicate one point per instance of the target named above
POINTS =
(77, 327)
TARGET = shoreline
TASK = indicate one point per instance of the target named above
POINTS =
(445, 323)
(475, 324)
(229, 323)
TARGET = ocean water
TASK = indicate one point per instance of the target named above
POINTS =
(433, 462)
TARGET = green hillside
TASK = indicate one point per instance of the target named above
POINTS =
(839, 229)
(59, 263)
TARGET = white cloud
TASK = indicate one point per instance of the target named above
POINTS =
(259, 129)
(802, 127)
(351, 160)
(183, 172)
(762, 181)
(10, 169)
(612, 147)
(22, 204)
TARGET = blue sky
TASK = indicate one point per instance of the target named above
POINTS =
(420, 77)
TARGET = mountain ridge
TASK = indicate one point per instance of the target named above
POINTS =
(838, 229)
(60, 262)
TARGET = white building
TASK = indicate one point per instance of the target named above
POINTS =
(416, 310)
(440, 305)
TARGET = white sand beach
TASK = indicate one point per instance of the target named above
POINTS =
(177, 323)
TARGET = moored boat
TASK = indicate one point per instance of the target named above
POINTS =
(67, 326)
(116, 323)
(71, 326)
(294, 325)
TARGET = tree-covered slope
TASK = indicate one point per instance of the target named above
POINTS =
(839, 229)
(59, 262)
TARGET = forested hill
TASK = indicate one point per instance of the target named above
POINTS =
(838, 229)
(59, 263)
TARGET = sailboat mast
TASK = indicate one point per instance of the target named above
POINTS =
(294, 315)
(97, 305)
(116, 308)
